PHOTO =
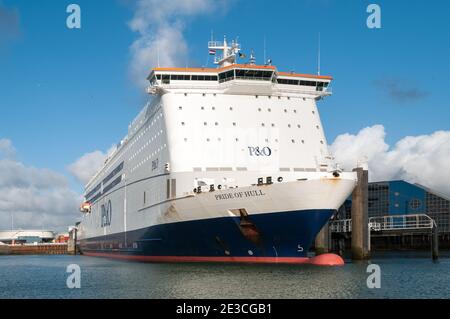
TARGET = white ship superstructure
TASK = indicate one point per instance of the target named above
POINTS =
(223, 164)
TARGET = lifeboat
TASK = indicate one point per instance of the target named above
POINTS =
(85, 207)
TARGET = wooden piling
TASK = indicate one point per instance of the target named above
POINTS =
(434, 243)
(322, 243)
(359, 212)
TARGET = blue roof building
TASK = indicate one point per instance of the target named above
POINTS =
(400, 197)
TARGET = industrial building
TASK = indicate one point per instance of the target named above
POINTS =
(26, 236)
(402, 198)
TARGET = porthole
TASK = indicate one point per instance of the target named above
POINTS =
(219, 139)
(202, 108)
(185, 139)
(273, 125)
(259, 109)
(237, 140)
(185, 94)
(262, 124)
(295, 111)
(231, 109)
(285, 111)
(293, 141)
(213, 108)
(279, 97)
(203, 94)
(289, 125)
(204, 123)
(269, 110)
(216, 123)
(182, 123)
(313, 112)
(321, 142)
(303, 141)
(298, 125)
(317, 126)
(180, 107)
(207, 139)
(234, 123)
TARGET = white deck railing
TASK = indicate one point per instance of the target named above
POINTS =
(387, 223)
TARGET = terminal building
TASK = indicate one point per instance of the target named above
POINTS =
(26, 236)
(402, 198)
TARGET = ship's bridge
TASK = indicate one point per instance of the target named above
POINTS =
(163, 79)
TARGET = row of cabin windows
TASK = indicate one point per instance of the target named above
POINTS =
(148, 158)
(231, 109)
(262, 124)
(267, 140)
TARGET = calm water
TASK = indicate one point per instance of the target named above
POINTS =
(45, 277)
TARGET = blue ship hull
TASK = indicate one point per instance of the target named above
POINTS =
(270, 237)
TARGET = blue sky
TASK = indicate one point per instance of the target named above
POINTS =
(64, 93)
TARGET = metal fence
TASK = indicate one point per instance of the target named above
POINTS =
(387, 223)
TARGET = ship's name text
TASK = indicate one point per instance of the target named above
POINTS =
(243, 194)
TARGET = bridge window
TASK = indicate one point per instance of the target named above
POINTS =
(166, 79)
(226, 76)
(319, 85)
(244, 74)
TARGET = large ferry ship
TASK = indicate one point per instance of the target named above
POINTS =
(226, 164)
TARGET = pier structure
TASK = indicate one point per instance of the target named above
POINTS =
(360, 215)
(34, 249)
(393, 226)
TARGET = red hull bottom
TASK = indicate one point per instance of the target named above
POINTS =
(321, 260)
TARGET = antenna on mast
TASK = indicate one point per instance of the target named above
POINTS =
(318, 57)
(264, 49)
(157, 51)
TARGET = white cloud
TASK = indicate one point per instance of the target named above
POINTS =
(7, 150)
(420, 159)
(160, 25)
(87, 165)
(35, 197)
